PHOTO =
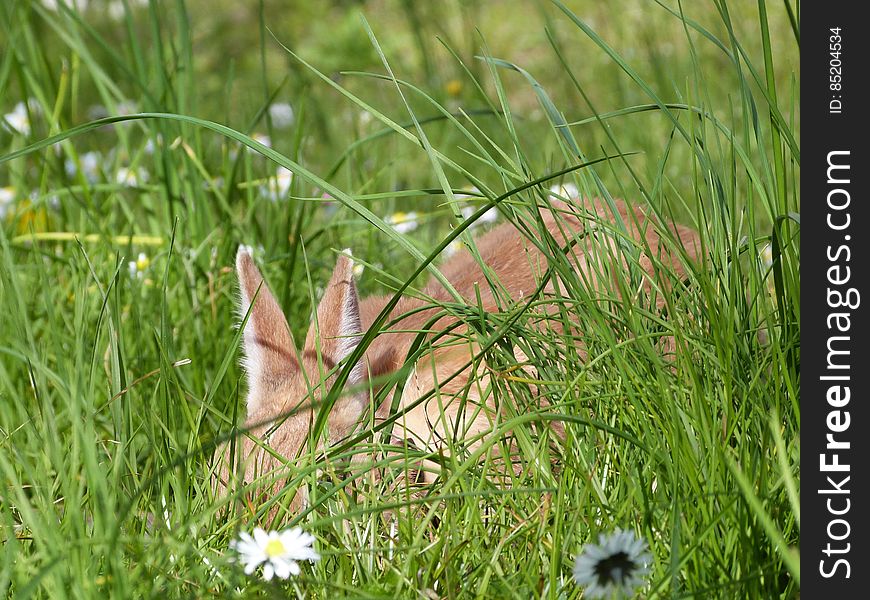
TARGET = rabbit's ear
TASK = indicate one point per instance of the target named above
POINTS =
(269, 351)
(338, 320)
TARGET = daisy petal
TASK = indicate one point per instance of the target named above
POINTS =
(283, 568)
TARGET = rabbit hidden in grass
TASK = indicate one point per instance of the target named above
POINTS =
(446, 398)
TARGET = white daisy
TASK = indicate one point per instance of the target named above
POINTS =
(126, 107)
(131, 178)
(452, 248)
(137, 267)
(153, 144)
(278, 552)
(52, 200)
(358, 267)
(263, 139)
(766, 256)
(7, 196)
(18, 121)
(468, 192)
(403, 222)
(278, 186)
(282, 115)
(97, 111)
(566, 190)
(490, 216)
(615, 567)
(90, 165)
(75, 4)
(116, 10)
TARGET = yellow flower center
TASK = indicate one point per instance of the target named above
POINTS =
(275, 548)
(142, 263)
(399, 217)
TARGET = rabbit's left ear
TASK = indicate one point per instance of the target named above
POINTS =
(338, 320)
(270, 356)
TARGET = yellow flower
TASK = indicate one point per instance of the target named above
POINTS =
(403, 222)
(31, 218)
(453, 87)
(137, 267)
(31, 214)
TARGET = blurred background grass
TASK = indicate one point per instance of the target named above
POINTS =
(224, 61)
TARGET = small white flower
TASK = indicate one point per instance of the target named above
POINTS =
(52, 200)
(472, 192)
(452, 248)
(75, 4)
(131, 178)
(358, 267)
(403, 222)
(167, 516)
(7, 196)
(281, 114)
(126, 107)
(216, 183)
(137, 267)
(278, 552)
(613, 568)
(766, 256)
(18, 121)
(97, 111)
(90, 164)
(278, 186)
(566, 190)
(116, 10)
(263, 139)
(152, 144)
(490, 216)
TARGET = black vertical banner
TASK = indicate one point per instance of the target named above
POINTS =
(835, 234)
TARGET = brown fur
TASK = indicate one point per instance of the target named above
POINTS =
(281, 381)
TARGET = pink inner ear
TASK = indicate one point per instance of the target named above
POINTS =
(338, 319)
(351, 330)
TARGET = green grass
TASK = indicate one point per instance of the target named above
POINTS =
(115, 388)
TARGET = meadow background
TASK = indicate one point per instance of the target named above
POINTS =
(119, 348)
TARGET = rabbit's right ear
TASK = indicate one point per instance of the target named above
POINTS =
(270, 356)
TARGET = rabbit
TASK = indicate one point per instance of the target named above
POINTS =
(283, 381)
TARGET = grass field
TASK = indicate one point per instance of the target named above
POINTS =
(144, 140)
